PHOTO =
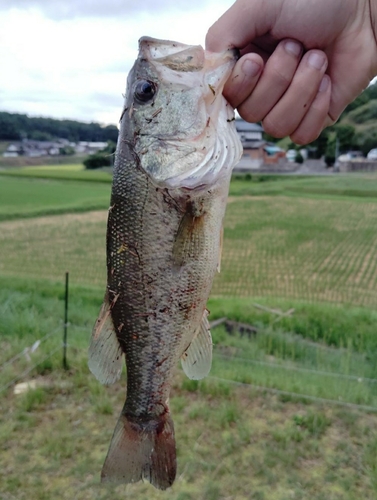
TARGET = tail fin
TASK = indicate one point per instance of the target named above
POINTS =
(142, 451)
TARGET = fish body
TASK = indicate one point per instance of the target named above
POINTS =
(176, 150)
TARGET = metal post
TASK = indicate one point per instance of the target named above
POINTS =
(336, 163)
(65, 364)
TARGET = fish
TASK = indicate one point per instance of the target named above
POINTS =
(176, 150)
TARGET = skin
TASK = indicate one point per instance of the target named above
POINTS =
(303, 61)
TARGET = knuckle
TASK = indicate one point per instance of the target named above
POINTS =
(248, 114)
(302, 137)
(282, 78)
(274, 127)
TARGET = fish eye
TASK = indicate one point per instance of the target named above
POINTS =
(144, 91)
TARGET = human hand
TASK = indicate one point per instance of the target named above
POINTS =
(302, 61)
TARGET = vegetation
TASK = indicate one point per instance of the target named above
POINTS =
(233, 441)
(271, 421)
(28, 197)
(98, 160)
(15, 126)
(58, 172)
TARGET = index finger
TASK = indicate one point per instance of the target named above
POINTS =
(244, 21)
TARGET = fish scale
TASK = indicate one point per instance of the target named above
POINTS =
(176, 149)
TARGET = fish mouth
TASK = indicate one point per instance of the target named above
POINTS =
(182, 58)
(199, 157)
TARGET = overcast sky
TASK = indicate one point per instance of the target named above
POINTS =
(70, 59)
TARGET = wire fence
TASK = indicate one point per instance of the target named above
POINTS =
(357, 378)
(32, 349)
(296, 395)
(28, 350)
(30, 369)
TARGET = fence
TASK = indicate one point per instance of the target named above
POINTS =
(33, 360)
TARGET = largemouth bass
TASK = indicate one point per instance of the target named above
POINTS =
(176, 149)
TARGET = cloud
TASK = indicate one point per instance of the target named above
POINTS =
(77, 67)
(69, 9)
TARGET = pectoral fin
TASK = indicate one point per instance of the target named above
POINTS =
(105, 355)
(220, 248)
(189, 240)
(197, 359)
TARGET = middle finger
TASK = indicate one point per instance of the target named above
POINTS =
(274, 81)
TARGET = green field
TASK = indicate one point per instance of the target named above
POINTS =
(290, 413)
(30, 197)
(60, 172)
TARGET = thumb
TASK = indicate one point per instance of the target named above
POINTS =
(244, 21)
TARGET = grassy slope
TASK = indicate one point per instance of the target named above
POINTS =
(232, 441)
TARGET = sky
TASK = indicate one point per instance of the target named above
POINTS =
(70, 59)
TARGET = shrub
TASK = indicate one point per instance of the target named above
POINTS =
(299, 158)
(97, 160)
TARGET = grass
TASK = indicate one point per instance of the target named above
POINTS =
(329, 186)
(232, 441)
(293, 247)
(301, 248)
(30, 197)
(68, 172)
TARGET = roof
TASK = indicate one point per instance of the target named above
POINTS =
(253, 144)
(243, 126)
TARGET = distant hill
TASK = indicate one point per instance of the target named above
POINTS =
(361, 114)
(15, 126)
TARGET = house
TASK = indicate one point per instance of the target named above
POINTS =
(13, 150)
(32, 148)
(256, 151)
(89, 147)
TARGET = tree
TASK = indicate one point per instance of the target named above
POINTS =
(346, 136)
(330, 150)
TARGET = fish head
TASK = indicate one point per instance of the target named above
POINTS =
(176, 119)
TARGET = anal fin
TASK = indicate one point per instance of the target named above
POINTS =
(197, 359)
(105, 354)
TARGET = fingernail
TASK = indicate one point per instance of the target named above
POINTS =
(317, 60)
(293, 47)
(324, 83)
(250, 68)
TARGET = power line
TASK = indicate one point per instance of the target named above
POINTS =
(297, 368)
